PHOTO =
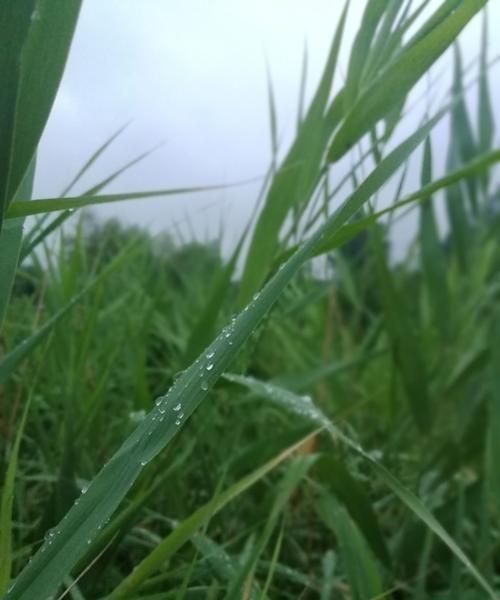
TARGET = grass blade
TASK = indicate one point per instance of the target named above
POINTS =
(294, 181)
(7, 501)
(42, 57)
(399, 78)
(24, 208)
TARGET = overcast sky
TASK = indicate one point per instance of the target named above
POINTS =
(192, 75)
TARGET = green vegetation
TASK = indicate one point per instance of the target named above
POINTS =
(325, 429)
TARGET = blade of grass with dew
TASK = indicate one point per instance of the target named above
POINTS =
(185, 530)
(431, 252)
(295, 179)
(119, 527)
(363, 572)
(69, 541)
(7, 502)
(305, 408)
(399, 78)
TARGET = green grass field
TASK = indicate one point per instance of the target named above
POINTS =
(321, 423)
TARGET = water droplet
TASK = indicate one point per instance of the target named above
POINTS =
(158, 401)
(144, 463)
(181, 416)
(49, 537)
(84, 489)
(177, 407)
(210, 354)
(256, 296)
(209, 366)
(204, 386)
(177, 422)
